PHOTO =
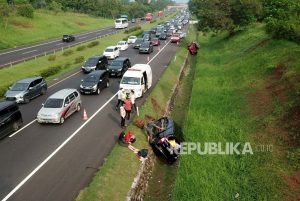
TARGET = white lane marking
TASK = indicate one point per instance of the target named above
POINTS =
(82, 37)
(64, 143)
(54, 152)
(15, 133)
(64, 79)
(158, 52)
(29, 52)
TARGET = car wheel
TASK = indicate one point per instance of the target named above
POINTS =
(15, 126)
(107, 84)
(78, 108)
(43, 92)
(62, 120)
(98, 91)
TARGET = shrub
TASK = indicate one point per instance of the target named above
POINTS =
(93, 44)
(138, 33)
(281, 29)
(51, 71)
(26, 10)
(68, 52)
(52, 57)
(79, 59)
(67, 65)
(132, 29)
(80, 48)
(3, 89)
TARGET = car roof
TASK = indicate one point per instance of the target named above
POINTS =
(110, 47)
(122, 41)
(121, 59)
(97, 56)
(132, 37)
(62, 93)
(97, 72)
(29, 79)
(5, 104)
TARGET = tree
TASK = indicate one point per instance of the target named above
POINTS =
(5, 11)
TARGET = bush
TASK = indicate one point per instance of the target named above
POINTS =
(79, 59)
(138, 33)
(26, 10)
(80, 48)
(281, 29)
(67, 65)
(152, 21)
(93, 44)
(132, 29)
(52, 57)
(68, 52)
(51, 71)
(3, 89)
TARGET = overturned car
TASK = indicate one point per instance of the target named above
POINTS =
(162, 139)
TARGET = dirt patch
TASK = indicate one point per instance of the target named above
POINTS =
(22, 24)
(260, 103)
(81, 24)
(293, 181)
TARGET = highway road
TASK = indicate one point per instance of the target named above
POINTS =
(29, 52)
(54, 162)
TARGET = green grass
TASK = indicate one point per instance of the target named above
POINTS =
(47, 25)
(228, 70)
(115, 177)
(34, 67)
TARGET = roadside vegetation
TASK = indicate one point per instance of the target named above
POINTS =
(246, 89)
(122, 165)
(54, 65)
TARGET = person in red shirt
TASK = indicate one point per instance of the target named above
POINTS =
(127, 106)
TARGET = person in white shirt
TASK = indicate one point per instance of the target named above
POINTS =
(120, 98)
(123, 115)
(132, 98)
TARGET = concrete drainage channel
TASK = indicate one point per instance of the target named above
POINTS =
(139, 185)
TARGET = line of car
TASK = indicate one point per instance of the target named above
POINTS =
(65, 102)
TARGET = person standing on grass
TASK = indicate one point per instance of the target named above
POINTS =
(123, 115)
(120, 98)
(132, 98)
(127, 106)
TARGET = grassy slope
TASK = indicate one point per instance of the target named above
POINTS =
(115, 177)
(228, 70)
(46, 25)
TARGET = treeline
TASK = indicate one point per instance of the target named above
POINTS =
(103, 8)
(282, 17)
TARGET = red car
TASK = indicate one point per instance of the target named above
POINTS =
(175, 38)
(155, 42)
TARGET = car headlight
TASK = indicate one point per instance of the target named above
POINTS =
(95, 87)
(120, 69)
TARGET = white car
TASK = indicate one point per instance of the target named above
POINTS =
(122, 45)
(181, 34)
(59, 106)
(131, 39)
(111, 52)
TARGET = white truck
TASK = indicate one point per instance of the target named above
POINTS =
(137, 78)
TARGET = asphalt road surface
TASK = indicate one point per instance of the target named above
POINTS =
(29, 52)
(54, 162)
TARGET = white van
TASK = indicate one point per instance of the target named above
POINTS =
(121, 23)
(137, 78)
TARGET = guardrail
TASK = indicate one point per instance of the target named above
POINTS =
(10, 64)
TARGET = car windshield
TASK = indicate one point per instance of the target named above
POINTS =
(132, 37)
(139, 40)
(118, 21)
(145, 45)
(116, 63)
(65, 36)
(121, 43)
(91, 78)
(109, 50)
(19, 87)
(131, 80)
(54, 103)
(91, 61)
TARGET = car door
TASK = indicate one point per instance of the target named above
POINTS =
(117, 52)
(4, 124)
(38, 86)
(72, 103)
(66, 108)
(102, 81)
(99, 64)
(31, 90)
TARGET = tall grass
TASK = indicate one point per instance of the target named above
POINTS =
(228, 69)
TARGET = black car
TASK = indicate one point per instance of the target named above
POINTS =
(163, 36)
(119, 66)
(68, 38)
(25, 90)
(94, 82)
(138, 43)
(95, 63)
(10, 118)
(146, 47)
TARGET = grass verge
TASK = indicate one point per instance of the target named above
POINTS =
(241, 93)
(114, 179)
(68, 62)
(47, 25)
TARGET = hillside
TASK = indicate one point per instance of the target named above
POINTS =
(46, 25)
(246, 90)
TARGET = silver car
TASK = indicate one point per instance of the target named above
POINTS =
(25, 90)
(59, 106)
